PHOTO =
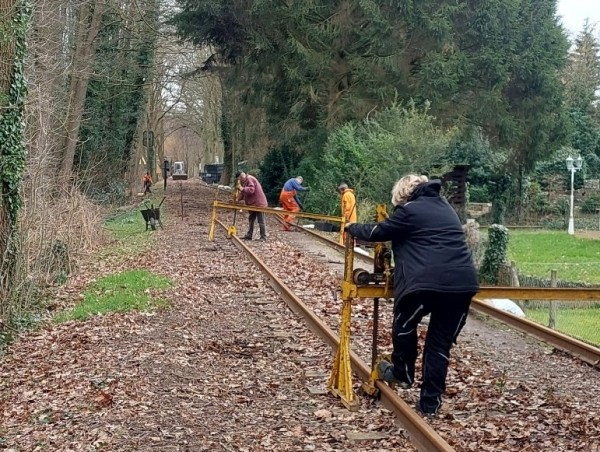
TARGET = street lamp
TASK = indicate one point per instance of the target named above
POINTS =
(573, 165)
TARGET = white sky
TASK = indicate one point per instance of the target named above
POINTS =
(574, 13)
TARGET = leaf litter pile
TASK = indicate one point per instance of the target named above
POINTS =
(227, 366)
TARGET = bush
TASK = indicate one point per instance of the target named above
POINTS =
(554, 224)
(275, 170)
(560, 207)
(479, 194)
(495, 254)
(371, 155)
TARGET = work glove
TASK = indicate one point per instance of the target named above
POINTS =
(306, 188)
(347, 226)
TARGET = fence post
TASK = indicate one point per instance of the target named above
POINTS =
(513, 275)
(552, 313)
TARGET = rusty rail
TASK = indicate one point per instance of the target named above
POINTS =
(420, 433)
(585, 352)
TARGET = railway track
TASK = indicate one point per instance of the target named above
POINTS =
(579, 349)
(420, 433)
(487, 405)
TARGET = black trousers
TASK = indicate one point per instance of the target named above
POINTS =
(261, 224)
(448, 316)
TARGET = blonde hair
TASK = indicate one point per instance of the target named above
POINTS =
(405, 187)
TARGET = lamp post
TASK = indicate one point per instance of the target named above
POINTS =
(573, 165)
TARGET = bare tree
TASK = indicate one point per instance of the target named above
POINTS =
(88, 26)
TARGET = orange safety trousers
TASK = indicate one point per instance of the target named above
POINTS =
(286, 198)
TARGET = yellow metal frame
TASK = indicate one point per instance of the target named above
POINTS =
(340, 380)
(239, 207)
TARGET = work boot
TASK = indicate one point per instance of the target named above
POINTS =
(247, 237)
(386, 373)
(430, 412)
(263, 239)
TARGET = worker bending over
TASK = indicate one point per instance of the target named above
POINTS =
(252, 193)
(289, 199)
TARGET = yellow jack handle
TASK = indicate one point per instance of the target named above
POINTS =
(342, 227)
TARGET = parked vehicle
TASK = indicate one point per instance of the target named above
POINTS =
(213, 172)
(178, 168)
(179, 172)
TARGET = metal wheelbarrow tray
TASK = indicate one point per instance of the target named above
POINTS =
(152, 216)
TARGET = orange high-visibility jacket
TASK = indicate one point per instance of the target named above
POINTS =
(349, 205)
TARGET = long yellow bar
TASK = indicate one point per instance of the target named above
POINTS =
(352, 290)
(313, 216)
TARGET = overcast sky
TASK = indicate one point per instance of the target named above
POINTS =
(574, 12)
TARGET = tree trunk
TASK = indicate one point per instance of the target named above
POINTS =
(7, 59)
(47, 99)
(13, 24)
(90, 16)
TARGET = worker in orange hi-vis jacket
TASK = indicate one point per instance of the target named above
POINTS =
(348, 204)
(147, 179)
(289, 199)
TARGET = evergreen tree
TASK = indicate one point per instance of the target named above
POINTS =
(315, 65)
(582, 73)
(582, 81)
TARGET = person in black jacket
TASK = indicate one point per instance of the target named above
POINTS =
(433, 274)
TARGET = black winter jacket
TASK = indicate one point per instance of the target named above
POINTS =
(428, 242)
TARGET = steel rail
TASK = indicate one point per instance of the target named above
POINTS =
(579, 349)
(420, 433)
(567, 295)
(585, 352)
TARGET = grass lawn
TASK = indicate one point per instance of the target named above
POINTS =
(120, 292)
(128, 229)
(583, 324)
(129, 290)
(575, 259)
(538, 252)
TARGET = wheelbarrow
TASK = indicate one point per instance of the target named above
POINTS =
(152, 215)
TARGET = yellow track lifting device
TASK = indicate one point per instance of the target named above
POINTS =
(359, 283)
(231, 230)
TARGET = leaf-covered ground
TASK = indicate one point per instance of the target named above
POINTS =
(228, 367)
